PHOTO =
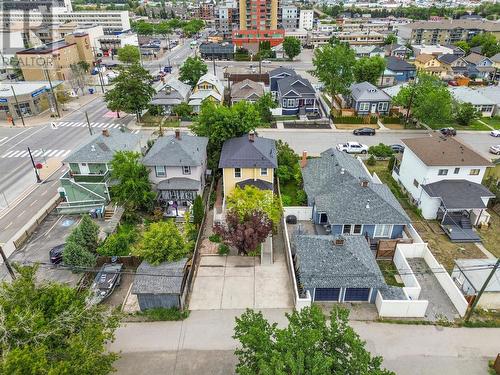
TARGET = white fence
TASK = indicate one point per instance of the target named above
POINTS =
(400, 308)
(412, 287)
(302, 213)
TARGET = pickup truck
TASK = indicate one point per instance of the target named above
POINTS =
(353, 148)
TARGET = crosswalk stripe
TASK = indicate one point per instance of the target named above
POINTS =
(3, 139)
(59, 153)
(101, 125)
(22, 154)
(46, 152)
(52, 153)
(63, 123)
(16, 154)
(117, 126)
(36, 152)
(7, 154)
(65, 153)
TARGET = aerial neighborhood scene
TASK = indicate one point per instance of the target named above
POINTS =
(249, 187)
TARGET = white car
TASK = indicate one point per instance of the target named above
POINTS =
(353, 148)
(266, 62)
(495, 149)
(495, 133)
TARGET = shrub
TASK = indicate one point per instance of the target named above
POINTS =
(371, 160)
(286, 200)
(391, 120)
(164, 314)
(284, 173)
(381, 150)
(198, 210)
(213, 198)
(354, 120)
(119, 243)
(391, 163)
(223, 249)
(77, 256)
(301, 197)
(214, 238)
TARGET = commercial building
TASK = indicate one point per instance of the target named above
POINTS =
(36, 4)
(306, 19)
(227, 20)
(289, 19)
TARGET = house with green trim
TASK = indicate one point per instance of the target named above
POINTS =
(85, 186)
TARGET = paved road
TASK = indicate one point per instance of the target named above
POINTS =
(202, 344)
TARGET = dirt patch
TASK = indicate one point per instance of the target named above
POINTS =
(120, 293)
(208, 247)
(446, 252)
(435, 227)
(355, 126)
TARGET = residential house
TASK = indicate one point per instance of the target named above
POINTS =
(296, 96)
(455, 65)
(209, 87)
(160, 286)
(481, 102)
(366, 98)
(433, 49)
(404, 70)
(397, 50)
(347, 200)
(177, 165)
(492, 93)
(248, 160)
(442, 176)
(275, 75)
(470, 276)
(496, 64)
(246, 90)
(86, 185)
(483, 66)
(368, 51)
(387, 79)
(171, 94)
(430, 65)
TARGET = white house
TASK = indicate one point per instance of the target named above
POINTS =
(443, 178)
(478, 99)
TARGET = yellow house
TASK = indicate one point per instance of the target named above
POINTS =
(208, 87)
(430, 65)
(248, 160)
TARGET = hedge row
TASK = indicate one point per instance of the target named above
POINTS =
(391, 120)
(353, 120)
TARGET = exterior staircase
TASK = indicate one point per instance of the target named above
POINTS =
(108, 214)
(465, 223)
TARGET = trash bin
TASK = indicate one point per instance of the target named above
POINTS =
(91, 91)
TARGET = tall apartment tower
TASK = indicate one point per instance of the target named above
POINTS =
(258, 23)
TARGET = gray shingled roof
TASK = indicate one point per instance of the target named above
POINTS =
(448, 58)
(396, 65)
(281, 70)
(165, 278)
(322, 264)
(333, 183)
(172, 152)
(365, 91)
(242, 153)
(457, 194)
(261, 184)
(101, 148)
(178, 183)
(296, 83)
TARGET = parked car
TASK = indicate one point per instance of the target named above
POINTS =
(353, 148)
(448, 131)
(397, 148)
(56, 254)
(495, 149)
(495, 133)
(364, 131)
(266, 61)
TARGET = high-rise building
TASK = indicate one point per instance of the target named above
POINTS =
(289, 17)
(306, 19)
(258, 23)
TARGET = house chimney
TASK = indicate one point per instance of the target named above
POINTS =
(303, 162)
(177, 134)
(105, 132)
(364, 183)
(339, 241)
(251, 136)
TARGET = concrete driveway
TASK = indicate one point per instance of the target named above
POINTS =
(239, 282)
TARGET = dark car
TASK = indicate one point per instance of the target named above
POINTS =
(56, 254)
(448, 131)
(397, 148)
(364, 131)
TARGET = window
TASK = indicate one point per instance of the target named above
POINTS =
(383, 106)
(347, 229)
(357, 229)
(364, 107)
(263, 171)
(383, 230)
(237, 172)
(352, 229)
(474, 172)
(186, 169)
(415, 183)
(456, 171)
(442, 172)
(160, 171)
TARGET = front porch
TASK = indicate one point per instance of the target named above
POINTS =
(458, 224)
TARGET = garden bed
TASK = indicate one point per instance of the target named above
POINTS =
(355, 126)
(306, 125)
(389, 271)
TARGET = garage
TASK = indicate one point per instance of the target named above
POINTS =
(357, 294)
(326, 294)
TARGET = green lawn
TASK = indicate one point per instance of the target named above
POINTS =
(290, 189)
(475, 125)
(285, 117)
(389, 270)
(492, 121)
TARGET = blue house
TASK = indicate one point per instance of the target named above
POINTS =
(296, 96)
(347, 200)
(366, 98)
(275, 75)
(403, 70)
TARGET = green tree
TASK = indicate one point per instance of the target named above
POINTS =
(465, 113)
(62, 96)
(264, 105)
(129, 54)
(369, 69)
(333, 65)
(84, 65)
(488, 43)
(192, 27)
(390, 39)
(162, 242)
(182, 110)
(198, 210)
(291, 46)
(251, 199)
(47, 328)
(75, 255)
(132, 188)
(131, 92)
(381, 150)
(89, 233)
(310, 344)
(431, 102)
(192, 69)
(463, 45)
(288, 160)
(119, 243)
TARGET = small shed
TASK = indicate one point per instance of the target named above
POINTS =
(161, 285)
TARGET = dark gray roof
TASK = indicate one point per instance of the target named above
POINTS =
(395, 64)
(333, 183)
(261, 184)
(448, 58)
(456, 194)
(242, 153)
(322, 264)
(296, 83)
(368, 92)
(172, 152)
(101, 148)
(165, 278)
(392, 293)
(282, 70)
(173, 92)
(179, 183)
(217, 47)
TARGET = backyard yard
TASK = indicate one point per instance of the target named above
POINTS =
(492, 121)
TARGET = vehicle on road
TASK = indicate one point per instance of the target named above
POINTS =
(397, 149)
(448, 132)
(266, 61)
(364, 131)
(56, 254)
(105, 282)
(495, 149)
(353, 148)
(495, 133)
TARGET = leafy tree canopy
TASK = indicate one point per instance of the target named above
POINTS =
(465, 113)
(463, 45)
(264, 105)
(310, 344)
(369, 69)
(129, 54)
(192, 69)
(390, 39)
(291, 46)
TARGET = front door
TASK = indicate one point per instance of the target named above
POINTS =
(373, 108)
(84, 168)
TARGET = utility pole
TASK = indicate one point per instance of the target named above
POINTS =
(486, 282)
(17, 104)
(52, 91)
(7, 264)
(88, 122)
(410, 101)
(213, 61)
(38, 179)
